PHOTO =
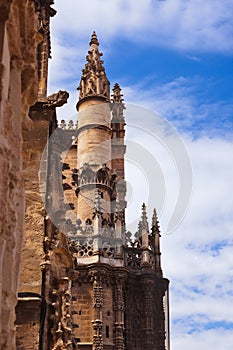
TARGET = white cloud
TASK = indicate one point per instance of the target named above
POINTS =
(194, 58)
(66, 64)
(218, 339)
(174, 98)
(184, 25)
(181, 102)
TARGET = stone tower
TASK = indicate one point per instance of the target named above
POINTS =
(119, 294)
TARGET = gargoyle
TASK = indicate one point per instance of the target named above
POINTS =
(58, 99)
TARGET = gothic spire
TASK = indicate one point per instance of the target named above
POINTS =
(155, 242)
(155, 232)
(94, 81)
(145, 236)
(155, 223)
(144, 221)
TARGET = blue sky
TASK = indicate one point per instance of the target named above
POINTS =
(174, 59)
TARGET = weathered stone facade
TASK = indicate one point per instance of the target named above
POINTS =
(19, 39)
(84, 283)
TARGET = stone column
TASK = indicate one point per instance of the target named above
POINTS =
(148, 311)
(97, 323)
(62, 335)
(161, 319)
(119, 309)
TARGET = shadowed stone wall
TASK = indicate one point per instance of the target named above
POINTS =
(18, 90)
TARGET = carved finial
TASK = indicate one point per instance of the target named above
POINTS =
(144, 221)
(94, 39)
(117, 104)
(63, 124)
(94, 81)
(117, 96)
(71, 125)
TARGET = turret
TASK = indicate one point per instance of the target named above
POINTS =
(99, 174)
(118, 131)
(118, 150)
(94, 136)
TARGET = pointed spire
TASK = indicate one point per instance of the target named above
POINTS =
(144, 221)
(94, 81)
(94, 39)
(155, 242)
(145, 236)
(155, 223)
(155, 233)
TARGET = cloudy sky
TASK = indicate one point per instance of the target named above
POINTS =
(173, 60)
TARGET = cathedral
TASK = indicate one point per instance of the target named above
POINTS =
(82, 280)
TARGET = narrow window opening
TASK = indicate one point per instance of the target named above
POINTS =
(80, 312)
(108, 313)
(107, 332)
(101, 195)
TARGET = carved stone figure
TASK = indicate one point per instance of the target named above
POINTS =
(87, 174)
(91, 87)
(103, 174)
